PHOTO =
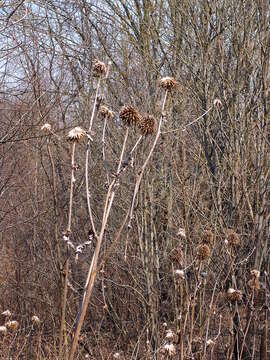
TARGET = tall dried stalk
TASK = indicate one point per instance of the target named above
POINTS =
(68, 231)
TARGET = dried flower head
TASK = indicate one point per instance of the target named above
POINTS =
(12, 325)
(35, 319)
(148, 125)
(207, 237)
(116, 355)
(169, 334)
(255, 273)
(106, 112)
(232, 238)
(99, 68)
(6, 313)
(234, 295)
(210, 342)
(217, 102)
(179, 273)
(3, 330)
(129, 115)
(76, 134)
(203, 252)
(169, 349)
(167, 83)
(176, 255)
(181, 233)
(46, 127)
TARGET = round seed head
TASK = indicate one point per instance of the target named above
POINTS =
(76, 134)
(208, 237)
(106, 112)
(3, 330)
(167, 83)
(180, 274)
(203, 252)
(177, 256)
(35, 319)
(46, 127)
(99, 68)
(233, 238)
(129, 115)
(234, 295)
(217, 102)
(148, 125)
(169, 349)
(12, 325)
(255, 273)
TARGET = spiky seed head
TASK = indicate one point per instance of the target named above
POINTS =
(234, 295)
(176, 255)
(208, 237)
(99, 68)
(3, 330)
(169, 334)
(76, 134)
(169, 349)
(255, 273)
(129, 115)
(6, 313)
(148, 125)
(179, 273)
(46, 127)
(105, 112)
(35, 319)
(233, 238)
(167, 83)
(203, 252)
(12, 325)
(181, 233)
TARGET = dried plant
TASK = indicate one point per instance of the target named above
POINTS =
(129, 115)
(232, 238)
(167, 83)
(148, 125)
(203, 252)
(99, 68)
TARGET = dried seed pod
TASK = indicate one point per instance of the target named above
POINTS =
(255, 273)
(176, 255)
(46, 127)
(35, 319)
(76, 134)
(129, 115)
(169, 349)
(234, 295)
(106, 112)
(148, 125)
(12, 325)
(232, 238)
(203, 252)
(167, 83)
(3, 330)
(207, 237)
(99, 68)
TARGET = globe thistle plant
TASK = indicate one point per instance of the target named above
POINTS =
(148, 125)
(129, 115)
(167, 83)
(99, 68)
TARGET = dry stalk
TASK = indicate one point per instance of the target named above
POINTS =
(68, 231)
(93, 269)
(141, 172)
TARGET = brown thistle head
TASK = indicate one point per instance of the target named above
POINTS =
(106, 112)
(207, 237)
(148, 125)
(234, 295)
(99, 68)
(203, 252)
(232, 238)
(76, 134)
(167, 83)
(129, 115)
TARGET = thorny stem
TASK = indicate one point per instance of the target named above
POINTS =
(139, 179)
(64, 302)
